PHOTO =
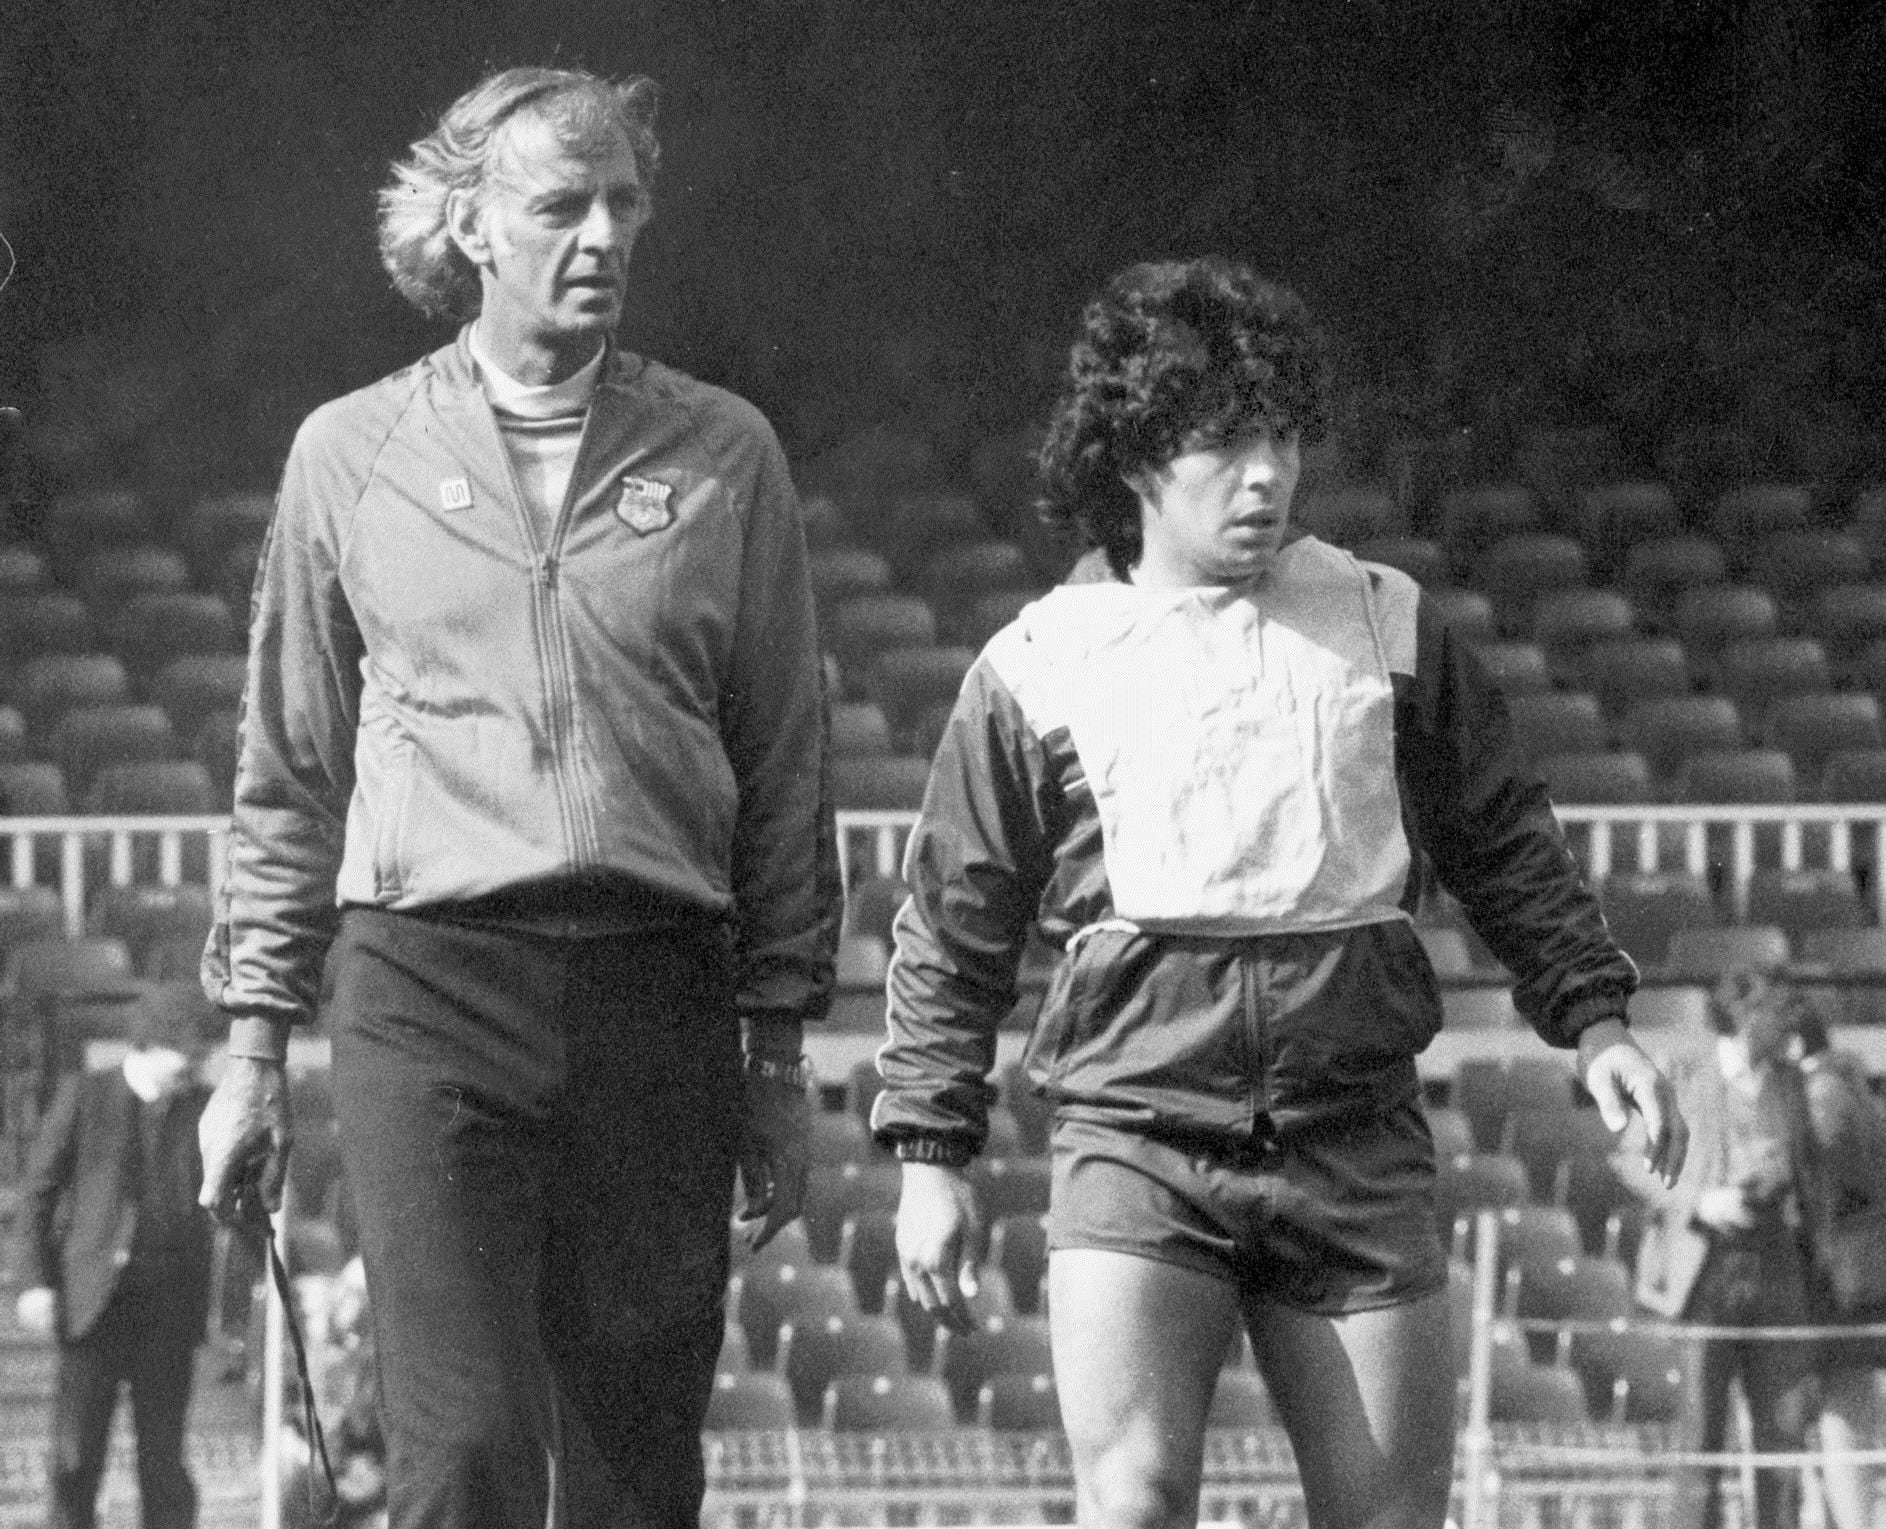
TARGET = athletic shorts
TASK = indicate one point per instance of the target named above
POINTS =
(1337, 1219)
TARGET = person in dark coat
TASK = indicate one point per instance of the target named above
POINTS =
(117, 1258)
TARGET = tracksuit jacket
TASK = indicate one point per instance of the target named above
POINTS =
(448, 700)
(1217, 805)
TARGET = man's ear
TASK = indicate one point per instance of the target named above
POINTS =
(466, 228)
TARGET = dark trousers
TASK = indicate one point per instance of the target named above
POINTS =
(539, 1135)
(145, 1340)
(1756, 1280)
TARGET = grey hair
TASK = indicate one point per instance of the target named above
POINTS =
(587, 113)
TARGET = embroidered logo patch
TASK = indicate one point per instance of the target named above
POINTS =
(643, 505)
(455, 494)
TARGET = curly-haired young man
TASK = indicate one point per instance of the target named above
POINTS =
(533, 738)
(1208, 779)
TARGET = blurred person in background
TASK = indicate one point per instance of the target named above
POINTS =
(1730, 1245)
(117, 1255)
(1848, 1123)
(1209, 774)
(533, 739)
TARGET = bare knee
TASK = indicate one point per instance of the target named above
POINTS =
(1137, 1485)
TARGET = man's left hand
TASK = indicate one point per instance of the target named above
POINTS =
(775, 1149)
(1623, 1080)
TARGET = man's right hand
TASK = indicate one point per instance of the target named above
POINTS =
(245, 1135)
(938, 1227)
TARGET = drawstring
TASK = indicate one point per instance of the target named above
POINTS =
(259, 1226)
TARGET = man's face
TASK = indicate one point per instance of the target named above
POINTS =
(552, 239)
(1218, 514)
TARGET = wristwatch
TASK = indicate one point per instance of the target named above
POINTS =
(794, 1074)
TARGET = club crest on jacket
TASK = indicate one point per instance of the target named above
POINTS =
(643, 505)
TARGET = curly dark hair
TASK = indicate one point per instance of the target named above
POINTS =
(1173, 355)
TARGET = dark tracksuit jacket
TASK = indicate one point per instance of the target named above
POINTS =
(1216, 804)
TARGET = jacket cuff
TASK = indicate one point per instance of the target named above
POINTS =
(942, 1151)
(1590, 1010)
(258, 1038)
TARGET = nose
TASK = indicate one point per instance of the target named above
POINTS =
(604, 229)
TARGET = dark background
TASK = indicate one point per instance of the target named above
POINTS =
(1663, 221)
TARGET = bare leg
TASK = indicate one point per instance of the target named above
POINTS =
(1368, 1402)
(1138, 1344)
(1848, 1419)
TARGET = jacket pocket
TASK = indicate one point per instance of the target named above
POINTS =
(398, 769)
(1084, 997)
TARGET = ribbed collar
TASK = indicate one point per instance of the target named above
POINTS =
(551, 400)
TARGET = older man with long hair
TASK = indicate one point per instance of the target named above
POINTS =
(534, 740)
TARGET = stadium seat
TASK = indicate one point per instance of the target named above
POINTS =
(1658, 574)
(810, 1354)
(1742, 518)
(1524, 1392)
(1738, 775)
(907, 681)
(837, 1190)
(1018, 1246)
(1613, 519)
(1467, 613)
(213, 745)
(788, 1246)
(860, 728)
(862, 628)
(86, 739)
(150, 787)
(1557, 722)
(78, 525)
(1809, 728)
(47, 687)
(1473, 520)
(1526, 1235)
(235, 580)
(12, 733)
(1621, 671)
(1633, 1376)
(1854, 775)
(1610, 1217)
(1618, 776)
(211, 526)
(1794, 565)
(1019, 1404)
(109, 577)
(1476, 1181)
(1710, 617)
(1515, 667)
(838, 1136)
(1703, 955)
(1848, 618)
(1241, 1401)
(1422, 559)
(1645, 908)
(1569, 623)
(1805, 901)
(766, 1297)
(1756, 672)
(758, 1400)
(193, 685)
(973, 623)
(838, 574)
(1667, 730)
(893, 781)
(37, 622)
(1545, 1140)
(22, 569)
(916, 526)
(991, 1303)
(32, 788)
(1349, 516)
(59, 967)
(1515, 571)
(1448, 952)
(1478, 1091)
(152, 629)
(1014, 1345)
(862, 1085)
(143, 913)
(953, 575)
(1573, 1288)
(1680, 1010)
(1451, 1129)
(867, 1251)
(881, 1404)
(1844, 950)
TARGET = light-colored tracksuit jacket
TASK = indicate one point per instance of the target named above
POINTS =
(447, 699)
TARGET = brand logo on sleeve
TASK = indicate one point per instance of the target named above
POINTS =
(644, 507)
